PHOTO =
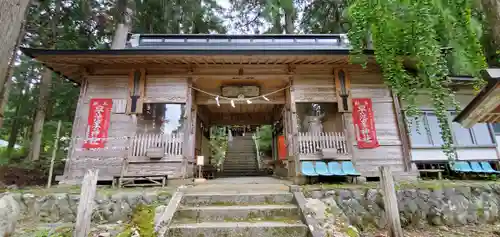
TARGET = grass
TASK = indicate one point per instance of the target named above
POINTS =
(75, 189)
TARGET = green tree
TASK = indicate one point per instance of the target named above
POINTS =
(416, 32)
(264, 16)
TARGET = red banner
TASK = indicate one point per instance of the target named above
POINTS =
(98, 123)
(364, 123)
(282, 153)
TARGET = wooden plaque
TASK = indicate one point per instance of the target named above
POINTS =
(235, 91)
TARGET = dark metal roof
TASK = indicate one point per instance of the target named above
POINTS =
(240, 43)
(493, 78)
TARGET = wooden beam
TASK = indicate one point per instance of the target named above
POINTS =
(187, 129)
(240, 118)
(293, 127)
(85, 207)
(390, 202)
(211, 101)
(76, 122)
(403, 133)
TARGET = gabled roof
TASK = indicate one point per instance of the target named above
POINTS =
(485, 107)
(160, 50)
(240, 43)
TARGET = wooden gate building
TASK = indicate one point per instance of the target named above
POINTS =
(152, 103)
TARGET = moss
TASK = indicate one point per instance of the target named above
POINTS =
(240, 204)
(480, 212)
(142, 221)
(421, 184)
(65, 231)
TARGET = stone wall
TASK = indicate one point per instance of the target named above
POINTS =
(62, 207)
(418, 207)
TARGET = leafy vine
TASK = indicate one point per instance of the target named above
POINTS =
(416, 31)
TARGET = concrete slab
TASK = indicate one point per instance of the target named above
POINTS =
(241, 229)
(249, 180)
(286, 213)
(229, 199)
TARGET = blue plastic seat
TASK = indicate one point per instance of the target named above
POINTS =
(349, 169)
(487, 168)
(308, 168)
(461, 166)
(322, 169)
(335, 168)
(476, 167)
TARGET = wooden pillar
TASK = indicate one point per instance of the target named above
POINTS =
(350, 134)
(76, 123)
(187, 148)
(292, 130)
(390, 202)
(85, 207)
(403, 133)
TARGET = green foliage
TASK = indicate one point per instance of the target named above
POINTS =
(142, 222)
(415, 32)
(264, 16)
(325, 17)
(266, 138)
(86, 24)
(218, 144)
(64, 231)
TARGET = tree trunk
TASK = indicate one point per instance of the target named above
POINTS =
(12, 15)
(120, 36)
(11, 18)
(277, 27)
(289, 21)
(123, 25)
(491, 9)
(14, 132)
(45, 86)
(36, 140)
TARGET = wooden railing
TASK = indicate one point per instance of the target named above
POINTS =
(172, 144)
(310, 143)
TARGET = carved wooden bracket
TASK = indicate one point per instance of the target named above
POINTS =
(343, 90)
(136, 86)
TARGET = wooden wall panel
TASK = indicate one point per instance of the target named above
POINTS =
(164, 89)
(155, 168)
(109, 160)
(463, 96)
(435, 154)
(107, 167)
(369, 85)
(314, 89)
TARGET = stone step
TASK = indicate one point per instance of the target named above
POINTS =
(249, 161)
(240, 153)
(240, 229)
(240, 167)
(229, 174)
(242, 164)
(254, 213)
(240, 157)
(240, 160)
(236, 160)
(228, 199)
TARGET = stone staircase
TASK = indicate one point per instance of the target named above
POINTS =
(240, 158)
(238, 214)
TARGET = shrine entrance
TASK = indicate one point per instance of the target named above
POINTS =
(234, 111)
